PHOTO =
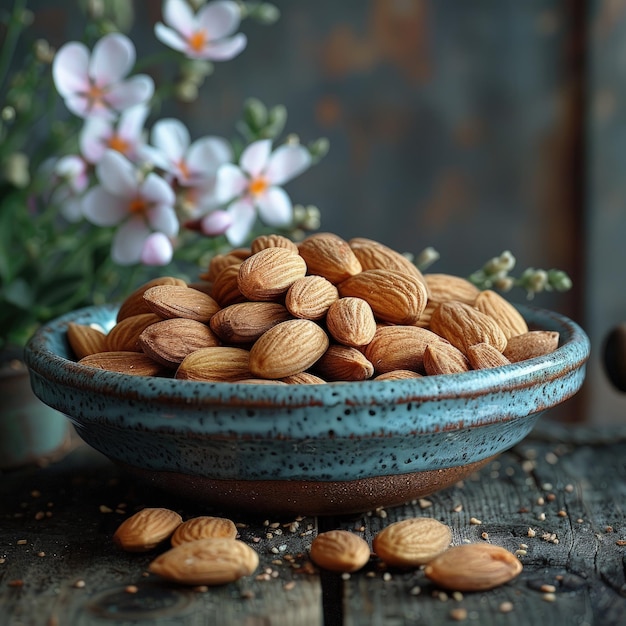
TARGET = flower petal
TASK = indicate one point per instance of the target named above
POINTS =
(243, 215)
(93, 138)
(171, 137)
(157, 190)
(254, 157)
(163, 218)
(275, 207)
(170, 37)
(178, 15)
(112, 59)
(103, 208)
(157, 250)
(83, 107)
(225, 49)
(136, 90)
(218, 19)
(230, 182)
(130, 125)
(205, 155)
(216, 223)
(286, 162)
(128, 241)
(117, 174)
(70, 67)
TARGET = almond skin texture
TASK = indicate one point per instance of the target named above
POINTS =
(532, 344)
(484, 356)
(146, 529)
(329, 256)
(134, 304)
(351, 321)
(394, 296)
(131, 363)
(303, 378)
(398, 375)
(225, 288)
(463, 326)
(343, 363)
(218, 364)
(202, 527)
(124, 336)
(310, 297)
(85, 340)
(473, 567)
(170, 341)
(412, 542)
(210, 561)
(245, 322)
(272, 241)
(399, 348)
(218, 263)
(340, 551)
(269, 273)
(446, 287)
(170, 301)
(503, 312)
(288, 348)
(444, 358)
(374, 255)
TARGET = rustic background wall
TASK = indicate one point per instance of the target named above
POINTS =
(471, 127)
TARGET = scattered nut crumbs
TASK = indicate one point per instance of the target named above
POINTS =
(459, 614)
(549, 597)
(105, 509)
(620, 542)
(289, 585)
(21, 542)
(458, 508)
(485, 536)
(547, 588)
(569, 488)
(79, 584)
(424, 504)
(531, 532)
(475, 521)
(562, 513)
(131, 589)
(505, 607)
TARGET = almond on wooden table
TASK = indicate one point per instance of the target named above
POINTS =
(146, 529)
(412, 542)
(340, 551)
(202, 527)
(170, 301)
(473, 567)
(208, 561)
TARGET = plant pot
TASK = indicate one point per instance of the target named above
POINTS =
(30, 431)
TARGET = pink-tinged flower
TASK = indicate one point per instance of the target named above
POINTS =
(191, 164)
(255, 184)
(93, 84)
(70, 172)
(126, 135)
(207, 34)
(216, 223)
(140, 206)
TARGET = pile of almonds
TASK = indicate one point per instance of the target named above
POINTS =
(205, 551)
(323, 310)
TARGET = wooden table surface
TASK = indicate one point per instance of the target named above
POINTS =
(559, 496)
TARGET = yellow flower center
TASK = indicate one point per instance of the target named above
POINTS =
(119, 144)
(137, 206)
(257, 185)
(197, 40)
(95, 95)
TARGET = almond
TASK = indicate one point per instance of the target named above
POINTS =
(303, 378)
(309, 297)
(343, 363)
(134, 304)
(412, 542)
(210, 561)
(398, 375)
(444, 358)
(473, 567)
(216, 364)
(218, 263)
(85, 340)
(288, 348)
(124, 336)
(351, 321)
(146, 529)
(269, 273)
(395, 297)
(503, 312)
(330, 256)
(484, 356)
(532, 344)
(202, 527)
(399, 348)
(170, 341)
(463, 326)
(170, 301)
(340, 551)
(225, 288)
(445, 287)
(374, 255)
(245, 322)
(132, 363)
(272, 241)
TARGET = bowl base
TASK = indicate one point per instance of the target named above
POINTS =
(302, 497)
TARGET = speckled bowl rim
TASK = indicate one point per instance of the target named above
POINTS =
(47, 356)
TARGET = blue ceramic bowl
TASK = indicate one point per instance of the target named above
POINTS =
(304, 449)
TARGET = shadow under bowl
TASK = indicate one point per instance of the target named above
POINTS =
(304, 449)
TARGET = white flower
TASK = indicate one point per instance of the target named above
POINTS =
(126, 135)
(69, 174)
(141, 206)
(255, 184)
(93, 84)
(207, 34)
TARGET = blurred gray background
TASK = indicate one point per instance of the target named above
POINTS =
(472, 127)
